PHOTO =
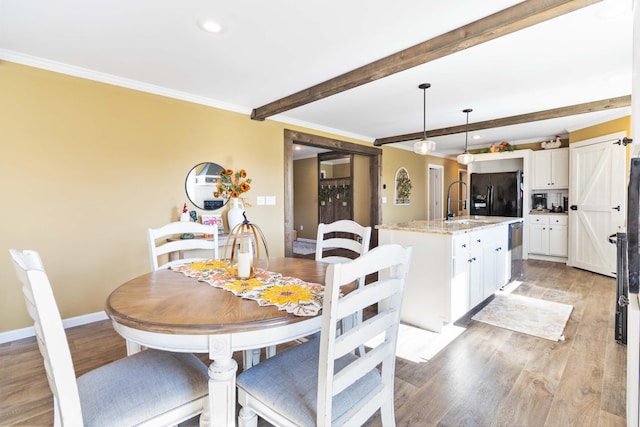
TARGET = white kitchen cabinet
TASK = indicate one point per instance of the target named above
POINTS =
(450, 273)
(495, 256)
(548, 235)
(558, 236)
(460, 268)
(551, 169)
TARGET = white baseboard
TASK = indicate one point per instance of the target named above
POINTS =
(18, 334)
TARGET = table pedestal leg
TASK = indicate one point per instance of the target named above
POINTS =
(222, 394)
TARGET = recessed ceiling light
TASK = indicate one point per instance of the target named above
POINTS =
(210, 26)
(476, 137)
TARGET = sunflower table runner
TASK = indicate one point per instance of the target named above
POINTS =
(294, 295)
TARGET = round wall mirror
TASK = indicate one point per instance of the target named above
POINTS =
(201, 186)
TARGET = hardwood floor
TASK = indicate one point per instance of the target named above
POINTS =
(488, 376)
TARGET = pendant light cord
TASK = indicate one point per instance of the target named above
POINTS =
(466, 130)
(466, 133)
(424, 113)
(424, 87)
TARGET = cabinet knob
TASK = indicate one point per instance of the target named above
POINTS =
(544, 228)
(464, 245)
(479, 240)
(499, 249)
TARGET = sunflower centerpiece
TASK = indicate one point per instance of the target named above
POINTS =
(246, 241)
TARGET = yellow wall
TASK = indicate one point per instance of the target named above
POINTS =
(87, 167)
(361, 198)
(305, 197)
(606, 128)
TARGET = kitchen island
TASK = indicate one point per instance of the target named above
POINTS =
(456, 265)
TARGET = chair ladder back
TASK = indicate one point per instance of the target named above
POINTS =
(332, 236)
(159, 245)
(391, 262)
(50, 335)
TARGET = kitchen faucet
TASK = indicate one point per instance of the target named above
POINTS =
(449, 213)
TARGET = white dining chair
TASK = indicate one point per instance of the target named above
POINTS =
(322, 381)
(165, 240)
(149, 388)
(341, 241)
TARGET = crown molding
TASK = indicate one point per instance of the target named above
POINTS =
(85, 73)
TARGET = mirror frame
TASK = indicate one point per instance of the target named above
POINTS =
(197, 178)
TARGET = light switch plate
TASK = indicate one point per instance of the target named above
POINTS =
(271, 200)
(260, 200)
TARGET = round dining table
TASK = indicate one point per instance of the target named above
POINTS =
(167, 310)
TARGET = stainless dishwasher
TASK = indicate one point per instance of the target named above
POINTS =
(515, 250)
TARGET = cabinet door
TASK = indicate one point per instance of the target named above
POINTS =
(560, 168)
(558, 240)
(475, 279)
(538, 238)
(541, 169)
(460, 286)
(501, 252)
(494, 260)
(476, 270)
(459, 276)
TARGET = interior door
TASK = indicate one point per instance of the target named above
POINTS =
(434, 197)
(597, 202)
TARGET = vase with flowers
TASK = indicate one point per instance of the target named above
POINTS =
(233, 185)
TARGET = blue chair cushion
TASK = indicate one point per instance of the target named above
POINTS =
(289, 383)
(136, 388)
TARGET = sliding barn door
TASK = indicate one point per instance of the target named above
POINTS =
(597, 202)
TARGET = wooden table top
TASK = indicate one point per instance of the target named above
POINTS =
(170, 302)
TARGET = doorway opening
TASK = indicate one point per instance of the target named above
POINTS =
(374, 157)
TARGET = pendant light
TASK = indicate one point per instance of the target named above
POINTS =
(424, 146)
(466, 157)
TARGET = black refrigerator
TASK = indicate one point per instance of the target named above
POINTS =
(496, 194)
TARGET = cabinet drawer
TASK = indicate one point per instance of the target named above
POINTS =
(558, 219)
(539, 219)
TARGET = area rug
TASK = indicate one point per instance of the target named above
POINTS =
(304, 246)
(532, 316)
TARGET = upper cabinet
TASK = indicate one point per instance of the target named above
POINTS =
(551, 169)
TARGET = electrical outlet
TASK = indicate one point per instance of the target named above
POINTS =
(301, 227)
(384, 199)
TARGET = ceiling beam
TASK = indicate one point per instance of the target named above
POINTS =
(522, 15)
(572, 110)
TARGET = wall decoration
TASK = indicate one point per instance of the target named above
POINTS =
(402, 190)
(213, 219)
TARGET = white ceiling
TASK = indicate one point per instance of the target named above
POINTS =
(271, 49)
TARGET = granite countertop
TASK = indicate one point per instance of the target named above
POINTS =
(457, 225)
